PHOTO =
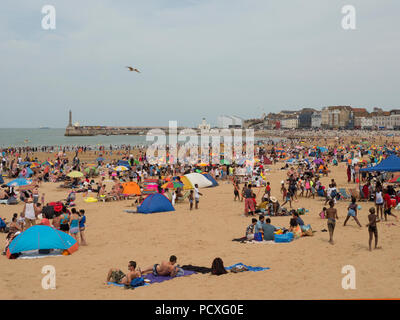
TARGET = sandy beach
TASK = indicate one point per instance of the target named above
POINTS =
(307, 268)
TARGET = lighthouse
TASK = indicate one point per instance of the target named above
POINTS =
(70, 119)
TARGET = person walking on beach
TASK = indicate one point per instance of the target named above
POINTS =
(379, 201)
(331, 214)
(372, 228)
(352, 212)
(191, 198)
(249, 203)
(197, 195)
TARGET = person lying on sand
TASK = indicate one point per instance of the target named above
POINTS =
(163, 269)
(117, 276)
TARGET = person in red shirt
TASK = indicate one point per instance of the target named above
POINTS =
(388, 205)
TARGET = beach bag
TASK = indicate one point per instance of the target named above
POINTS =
(320, 192)
(239, 269)
(57, 206)
(12, 200)
(258, 236)
(297, 232)
(137, 282)
(301, 211)
(281, 238)
(306, 229)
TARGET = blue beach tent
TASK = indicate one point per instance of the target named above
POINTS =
(42, 237)
(18, 182)
(156, 202)
(390, 164)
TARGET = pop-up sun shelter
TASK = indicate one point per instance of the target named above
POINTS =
(209, 177)
(155, 203)
(199, 179)
(131, 188)
(42, 237)
(390, 164)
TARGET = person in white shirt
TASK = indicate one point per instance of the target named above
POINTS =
(197, 195)
(29, 213)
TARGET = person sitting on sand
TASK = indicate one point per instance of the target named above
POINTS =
(117, 276)
(217, 267)
(166, 268)
(250, 229)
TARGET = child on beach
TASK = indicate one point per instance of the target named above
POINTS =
(82, 222)
(191, 198)
(372, 228)
(322, 214)
(197, 195)
(332, 216)
(352, 212)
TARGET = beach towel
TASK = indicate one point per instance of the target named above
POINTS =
(158, 279)
(250, 268)
(138, 282)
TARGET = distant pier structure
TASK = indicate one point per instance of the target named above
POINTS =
(77, 130)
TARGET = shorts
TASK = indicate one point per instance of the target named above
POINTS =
(64, 227)
(155, 270)
(331, 225)
(197, 200)
(373, 229)
(351, 213)
(74, 230)
(117, 276)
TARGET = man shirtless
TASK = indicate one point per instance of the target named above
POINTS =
(331, 214)
(117, 276)
(163, 269)
(372, 228)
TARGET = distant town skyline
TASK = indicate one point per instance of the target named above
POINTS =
(197, 59)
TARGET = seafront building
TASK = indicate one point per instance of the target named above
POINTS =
(330, 117)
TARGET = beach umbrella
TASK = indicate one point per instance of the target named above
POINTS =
(18, 182)
(172, 185)
(75, 174)
(24, 163)
(34, 165)
(100, 159)
(121, 168)
(202, 164)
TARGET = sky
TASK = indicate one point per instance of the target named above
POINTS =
(198, 58)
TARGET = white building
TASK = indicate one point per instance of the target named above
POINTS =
(290, 123)
(226, 122)
(204, 125)
(382, 121)
(367, 122)
(316, 120)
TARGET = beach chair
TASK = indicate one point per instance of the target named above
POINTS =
(344, 193)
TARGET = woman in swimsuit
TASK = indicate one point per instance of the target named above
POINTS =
(74, 224)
